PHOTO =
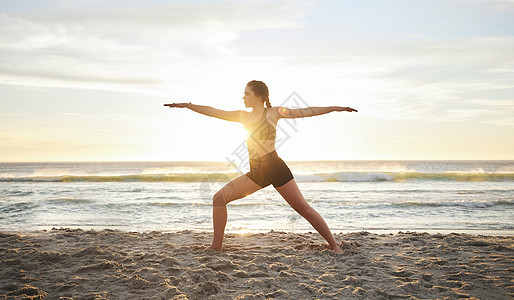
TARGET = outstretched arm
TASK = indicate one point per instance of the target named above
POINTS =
(234, 116)
(310, 111)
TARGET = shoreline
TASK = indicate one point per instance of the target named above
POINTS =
(475, 232)
(114, 264)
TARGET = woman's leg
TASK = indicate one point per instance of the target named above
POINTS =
(236, 189)
(294, 197)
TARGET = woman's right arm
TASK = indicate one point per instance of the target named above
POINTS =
(234, 116)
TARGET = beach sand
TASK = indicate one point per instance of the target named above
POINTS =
(111, 264)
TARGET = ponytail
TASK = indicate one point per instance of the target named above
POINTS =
(260, 89)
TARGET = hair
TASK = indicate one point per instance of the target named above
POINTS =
(260, 89)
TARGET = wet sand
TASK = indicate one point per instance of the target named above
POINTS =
(109, 264)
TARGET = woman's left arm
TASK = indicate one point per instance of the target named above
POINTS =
(291, 113)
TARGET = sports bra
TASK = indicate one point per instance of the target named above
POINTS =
(262, 129)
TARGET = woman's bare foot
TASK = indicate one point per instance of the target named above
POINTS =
(337, 250)
(211, 247)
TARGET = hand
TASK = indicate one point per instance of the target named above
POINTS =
(179, 105)
(348, 109)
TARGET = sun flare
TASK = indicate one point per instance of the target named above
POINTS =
(243, 133)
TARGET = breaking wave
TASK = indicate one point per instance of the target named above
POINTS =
(321, 177)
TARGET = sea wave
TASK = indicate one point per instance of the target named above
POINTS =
(405, 176)
(177, 177)
(468, 204)
(320, 177)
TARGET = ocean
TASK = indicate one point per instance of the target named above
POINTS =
(376, 196)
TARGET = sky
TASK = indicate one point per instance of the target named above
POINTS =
(85, 80)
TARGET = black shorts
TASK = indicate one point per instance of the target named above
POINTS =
(269, 169)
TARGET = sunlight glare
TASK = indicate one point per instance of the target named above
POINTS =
(243, 133)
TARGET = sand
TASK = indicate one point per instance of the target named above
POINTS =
(109, 264)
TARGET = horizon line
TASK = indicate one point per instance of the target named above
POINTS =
(219, 161)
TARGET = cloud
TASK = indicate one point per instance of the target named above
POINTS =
(501, 5)
(249, 15)
(440, 80)
(124, 45)
(127, 43)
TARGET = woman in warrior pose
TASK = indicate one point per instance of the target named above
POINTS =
(265, 166)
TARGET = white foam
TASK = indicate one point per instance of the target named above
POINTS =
(469, 171)
(50, 172)
(363, 177)
(8, 175)
(309, 178)
(344, 177)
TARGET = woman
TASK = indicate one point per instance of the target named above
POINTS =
(265, 166)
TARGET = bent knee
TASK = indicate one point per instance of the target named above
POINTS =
(224, 196)
(219, 199)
